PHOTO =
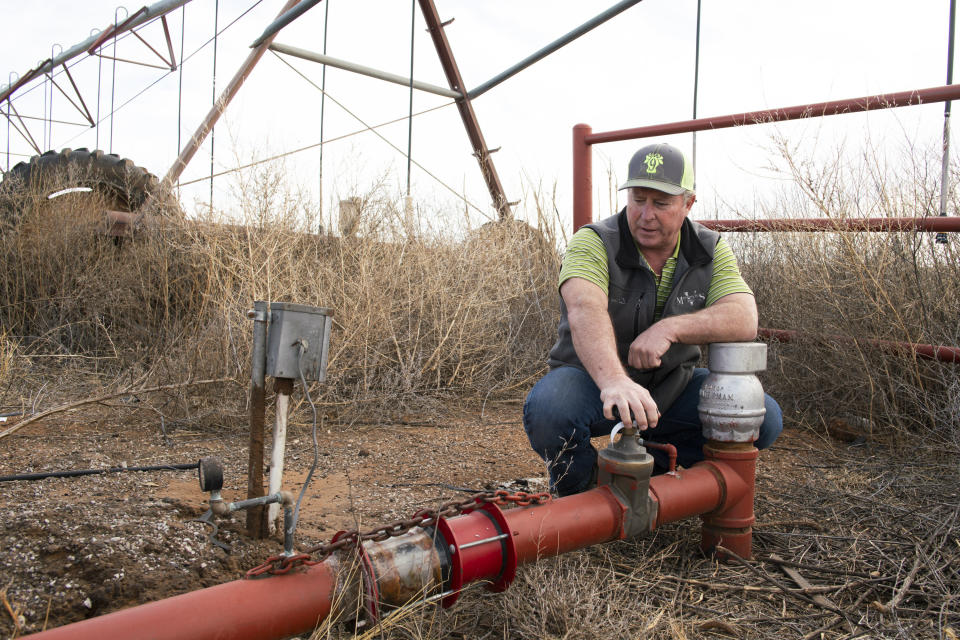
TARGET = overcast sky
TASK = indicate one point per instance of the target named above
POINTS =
(635, 70)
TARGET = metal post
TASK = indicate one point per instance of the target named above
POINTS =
(945, 169)
(284, 20)
(553, 46)
(255, 520)
(582, 177)
(696, 86)
(283, 387)
(467, 114)
(217, 110)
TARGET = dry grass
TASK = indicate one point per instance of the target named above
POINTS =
(847, 289)
(417, 316)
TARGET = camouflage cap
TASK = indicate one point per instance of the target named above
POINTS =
(661, 167)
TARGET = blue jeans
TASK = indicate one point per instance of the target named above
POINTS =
(563, 411)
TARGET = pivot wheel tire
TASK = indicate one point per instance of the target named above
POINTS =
(109, 182)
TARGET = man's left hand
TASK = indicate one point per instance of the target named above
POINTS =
(648, 347)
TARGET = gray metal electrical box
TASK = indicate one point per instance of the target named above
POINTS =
(290, 326)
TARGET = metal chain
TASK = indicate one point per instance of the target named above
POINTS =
(277, 565)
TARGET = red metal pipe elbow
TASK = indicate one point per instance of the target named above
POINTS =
(732, 525)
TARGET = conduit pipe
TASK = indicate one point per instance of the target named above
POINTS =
(486, 543)
(283, 388)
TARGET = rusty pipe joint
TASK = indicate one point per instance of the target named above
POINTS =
(217, 505)
(625, 467)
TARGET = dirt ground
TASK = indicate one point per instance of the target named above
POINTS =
(72, 548)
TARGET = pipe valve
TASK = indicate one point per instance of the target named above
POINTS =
(625, 467)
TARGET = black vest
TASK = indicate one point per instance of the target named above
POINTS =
(632, 301)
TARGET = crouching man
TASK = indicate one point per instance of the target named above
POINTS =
(639, 291)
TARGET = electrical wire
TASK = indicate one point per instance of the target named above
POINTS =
(309, 146)
(393, 146)
(89, 472)
(213, 98)
(301, 346)
(165, 75)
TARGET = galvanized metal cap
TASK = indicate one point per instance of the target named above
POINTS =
(662, 167)
(737, 357)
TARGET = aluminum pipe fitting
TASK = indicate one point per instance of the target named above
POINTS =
(731, 399)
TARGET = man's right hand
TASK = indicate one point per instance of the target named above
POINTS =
(632, 401)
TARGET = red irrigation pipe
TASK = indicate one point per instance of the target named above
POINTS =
(926, 351)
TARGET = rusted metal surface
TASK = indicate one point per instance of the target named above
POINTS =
(118, 224)
(256, 523)
(400, 570)
(470, 122)
(217, 109)
(937, 223)
(926, 351)
(582, 177)
(831, 108)
(274, 607)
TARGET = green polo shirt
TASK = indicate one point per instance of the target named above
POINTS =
(586, 258)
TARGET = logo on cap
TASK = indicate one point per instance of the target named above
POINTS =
(653, 161)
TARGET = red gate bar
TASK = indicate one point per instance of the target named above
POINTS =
(925, 351)
(582, 138)
(933, 223)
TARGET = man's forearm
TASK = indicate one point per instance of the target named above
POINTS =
(595, 344)
(732, 318)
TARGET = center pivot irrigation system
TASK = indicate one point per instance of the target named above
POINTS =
(136, 201)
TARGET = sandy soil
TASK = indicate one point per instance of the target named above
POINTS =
(72, 548)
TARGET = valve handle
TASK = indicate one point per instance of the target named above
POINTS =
(617, 429)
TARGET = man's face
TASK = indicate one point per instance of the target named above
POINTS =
(655, 217)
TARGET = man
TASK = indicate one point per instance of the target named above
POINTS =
(639, 290)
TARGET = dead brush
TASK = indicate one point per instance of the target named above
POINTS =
(417, 316)
(844, 290)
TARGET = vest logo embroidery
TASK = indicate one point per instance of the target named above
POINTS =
(653, 162)
(691, 298)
